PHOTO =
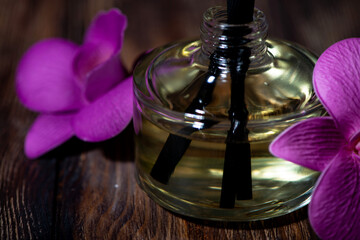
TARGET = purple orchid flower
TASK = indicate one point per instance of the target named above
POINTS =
(81, 91)
(331, 144)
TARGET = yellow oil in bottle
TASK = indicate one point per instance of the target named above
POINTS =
(278, 92)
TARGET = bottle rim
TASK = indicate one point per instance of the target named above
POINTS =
(216, 33)
(218, 17)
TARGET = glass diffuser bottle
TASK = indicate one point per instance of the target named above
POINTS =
(183, 99)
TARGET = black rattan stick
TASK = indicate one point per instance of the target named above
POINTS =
(236, 182)
(176, 146)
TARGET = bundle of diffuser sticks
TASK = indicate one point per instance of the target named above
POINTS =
(236, 182)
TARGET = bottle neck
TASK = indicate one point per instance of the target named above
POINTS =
(217, 35)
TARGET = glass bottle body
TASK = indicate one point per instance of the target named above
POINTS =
(278, 94)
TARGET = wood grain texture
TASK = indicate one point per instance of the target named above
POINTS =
(26, 187)
(89, 191)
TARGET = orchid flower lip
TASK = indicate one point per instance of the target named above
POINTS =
(354, 143)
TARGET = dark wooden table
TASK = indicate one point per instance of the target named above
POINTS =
(88, 191)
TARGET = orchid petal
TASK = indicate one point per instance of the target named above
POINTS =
(335, 204)
(107, 30)
(312, 143)
(47, 132)
(104, 78)
(107, 116)
(337, 84)
(44, 79)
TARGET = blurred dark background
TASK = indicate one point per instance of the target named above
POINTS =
(314, 24)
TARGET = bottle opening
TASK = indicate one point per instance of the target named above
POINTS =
(216, 33)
